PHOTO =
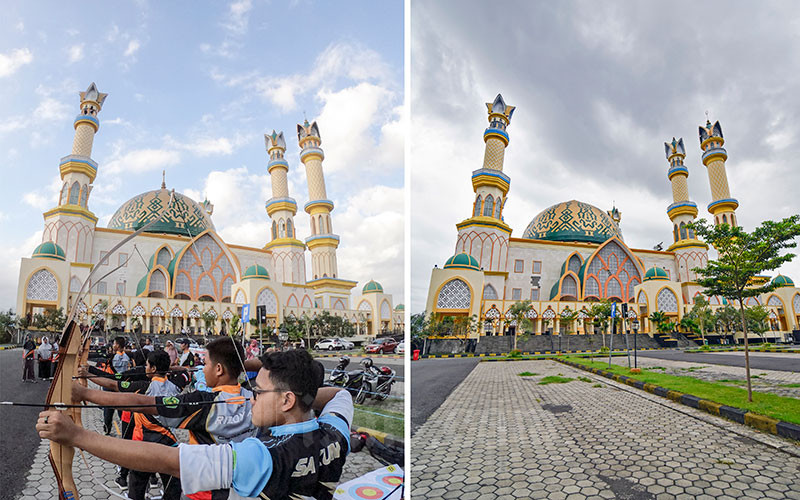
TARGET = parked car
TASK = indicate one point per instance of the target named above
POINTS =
(328, 345)
(401, 347)
(385, 345)
(346, 343)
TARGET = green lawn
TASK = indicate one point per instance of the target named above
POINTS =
(781, 408)
(391, 423)
(553, 379)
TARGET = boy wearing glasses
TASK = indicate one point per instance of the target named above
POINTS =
(294, 454)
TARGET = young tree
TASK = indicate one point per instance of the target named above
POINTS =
(741, 257)
(8, 325)
(701, 312)
(519, 313)
(600, 313)
(757, 320)
(419, 325)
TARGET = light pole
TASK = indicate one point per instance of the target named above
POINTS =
(283, 335)
(635, 326)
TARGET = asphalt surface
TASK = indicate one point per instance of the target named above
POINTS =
(433, 381)
(18, 438)
(758, 360)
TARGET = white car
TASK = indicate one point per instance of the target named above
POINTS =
(346, 343)
(401, 348)
(328, 345)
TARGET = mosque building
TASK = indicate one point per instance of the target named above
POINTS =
(572, 253)
(179, 270)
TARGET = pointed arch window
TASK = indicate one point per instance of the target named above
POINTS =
(489, 293)
(289, 229)
(275, 229)
(667, 301)
(282, 229)
(64, 194)
(497, 208)
(84, 196)
(724, 219)
(612, 261)
(204, 271)
(488, 206)
(675, 230)
(476, 210)
(164, 257)
(74, 193)
(158, 284)
(313, 227)
(569, 288)
(455, 294)
(574, 264)
(684, 235)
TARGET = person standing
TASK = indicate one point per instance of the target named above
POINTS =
(54, 359)
(187, 357)
(118, 362)
(173, 353)
(148, 346)
(43, 353)
(28, 354)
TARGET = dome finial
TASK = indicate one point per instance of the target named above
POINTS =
(163, 179)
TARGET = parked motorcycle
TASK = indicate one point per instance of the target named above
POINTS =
(369, 382)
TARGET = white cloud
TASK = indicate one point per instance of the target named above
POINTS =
(133, 47)
(51, 110)
(206, 145)
(11, 61)
(238, 17)
(75, 53)
(142, 160)
(20, 26)
(45, 197)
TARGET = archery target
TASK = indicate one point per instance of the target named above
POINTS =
(391, 480)
(368, 491)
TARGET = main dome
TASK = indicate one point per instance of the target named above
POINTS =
(186, 217)
(572, 221)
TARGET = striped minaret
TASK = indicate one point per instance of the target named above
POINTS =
(71, 224)
(722, 206)
(288, 253)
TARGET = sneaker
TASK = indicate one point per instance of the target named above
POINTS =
(122, 482)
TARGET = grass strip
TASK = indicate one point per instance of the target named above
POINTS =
(555, 379)
(527, 374)
(392, 423)
(771, 405)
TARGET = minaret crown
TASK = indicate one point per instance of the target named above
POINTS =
(710, 132)
(499, 113)
(92, 100)
(276, 145)
(308, 134)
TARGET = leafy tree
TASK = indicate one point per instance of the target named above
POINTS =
(741, 257)
(465, 326)
(658, 318)
(726, 318)
(600, 313)
(440, 324)
(8, 326)
(568, 320)
(39, 321)
(701, 313)
(688, 324)
(419, 325)
(757, 320)
(519, 313)
(208, 320)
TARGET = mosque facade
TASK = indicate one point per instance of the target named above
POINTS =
(179, 270)
(572, 253)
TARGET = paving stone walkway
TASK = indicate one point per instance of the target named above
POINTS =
(771, 381)
(503, 436)
(41, 484)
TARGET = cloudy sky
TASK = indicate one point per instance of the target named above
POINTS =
(192, 89)
(599, 87)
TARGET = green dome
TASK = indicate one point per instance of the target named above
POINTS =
(400, 307)
(656, 273)
(782, 280)
(462, 261)
(49, 250)
(372, 287)
(572, 221)
(255, 271)
(186, 217)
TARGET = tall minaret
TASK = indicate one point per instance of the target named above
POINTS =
(288, 253)
(689, 251)
(322, 242)
(491, 187)
(722, 206)
(70, 223)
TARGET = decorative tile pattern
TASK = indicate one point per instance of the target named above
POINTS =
(227, 314)
(42, 286)
(176, 312)
(667, 301)
(267, 298)
(494, 154)
(185, 216)
(492, 314)
(774, 301)
(796, 303)
(194, 313)
(239, 297)
(386, 311)
(455, 294)
(119, 309)
(489, 293)
(138, 310)
(157, 311)
(549, 314)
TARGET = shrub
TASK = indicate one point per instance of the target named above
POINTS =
(604, 349)
(516, 353)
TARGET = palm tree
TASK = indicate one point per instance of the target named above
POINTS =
(658, 318)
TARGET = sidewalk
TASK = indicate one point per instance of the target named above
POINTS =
(502, 436)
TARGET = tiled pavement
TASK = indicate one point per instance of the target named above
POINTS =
(502, 436)
(41, 484)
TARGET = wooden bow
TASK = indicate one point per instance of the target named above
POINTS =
(73, 351)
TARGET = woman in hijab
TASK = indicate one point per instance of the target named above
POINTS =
(173, 353)
(252, 350)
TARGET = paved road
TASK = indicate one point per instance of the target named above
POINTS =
(18, 438)
(503, 436)
(433, 381)
(758, 360)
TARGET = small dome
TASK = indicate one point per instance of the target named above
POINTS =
(462, 261)
(656, 273)
(255, 271)
(49, 250)
(782, 280)
(372, 287)
(400, 307)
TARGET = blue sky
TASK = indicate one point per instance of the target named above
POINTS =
(193, 86)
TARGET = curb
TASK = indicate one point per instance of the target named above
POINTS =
(383, 437)
(359, 355)
(527, 353)
(755, 420)
(6, 347)
(781, 351)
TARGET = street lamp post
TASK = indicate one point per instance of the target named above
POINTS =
(283, 335)
(635, 326)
